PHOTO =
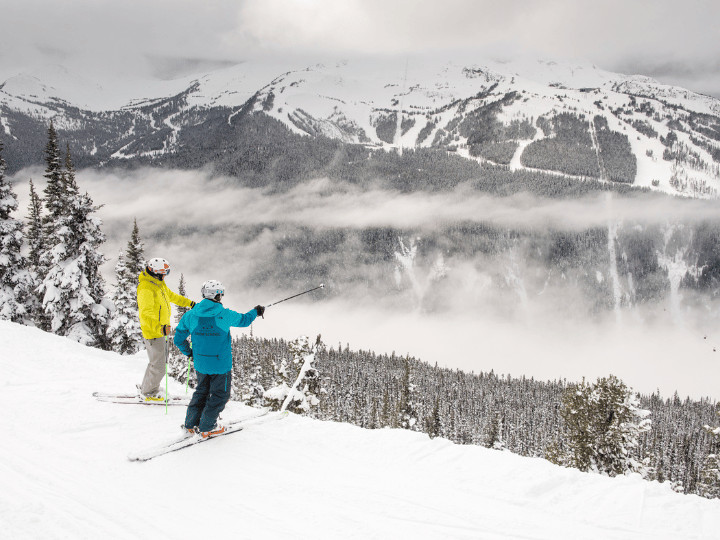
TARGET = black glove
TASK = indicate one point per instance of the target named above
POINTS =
(192, 304)
(190, 357)
(260, 311)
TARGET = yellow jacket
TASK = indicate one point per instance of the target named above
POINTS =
(153, 298)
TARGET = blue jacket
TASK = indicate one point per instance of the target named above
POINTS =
(208, 324)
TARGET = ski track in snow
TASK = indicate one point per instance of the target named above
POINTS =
(66, 474)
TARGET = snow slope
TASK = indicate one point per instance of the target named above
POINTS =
(65, 472)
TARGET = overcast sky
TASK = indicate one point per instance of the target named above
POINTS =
(675, 42)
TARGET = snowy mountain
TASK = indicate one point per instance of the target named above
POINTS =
(66, 473)
(628, 129)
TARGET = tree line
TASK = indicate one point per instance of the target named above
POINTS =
(602, 427)
(57, 285)
(582, 148)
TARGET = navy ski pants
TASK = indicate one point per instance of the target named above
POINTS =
(211, 395)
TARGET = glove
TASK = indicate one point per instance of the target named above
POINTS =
(192, 304)
(260, 311)
(190, 356)
(167, 330)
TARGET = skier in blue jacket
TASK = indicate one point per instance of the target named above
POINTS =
(208, 325)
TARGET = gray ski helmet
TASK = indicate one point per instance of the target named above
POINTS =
(211, 288)
(159, 266)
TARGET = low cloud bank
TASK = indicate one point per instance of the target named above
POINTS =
(211, 228)
(173, 199)
(663, 357)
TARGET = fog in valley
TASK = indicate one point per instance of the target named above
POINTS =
(515, 285)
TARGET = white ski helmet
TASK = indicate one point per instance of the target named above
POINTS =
(159, 266)
(211, 288)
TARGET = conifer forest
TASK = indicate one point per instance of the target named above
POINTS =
(519, 415)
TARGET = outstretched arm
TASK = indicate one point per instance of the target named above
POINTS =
(243, 319)
(179, 300)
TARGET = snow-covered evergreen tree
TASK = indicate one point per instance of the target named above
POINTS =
(408, 409)
(182, 292)
(435, 427)
(41, 242)
(709, 483)
(494, 437)
(304, 392)
(554, 452)
(72, 287)
(15, 280)
(56, 188)
(124, 329)
(387, 416)
(603, 424)
(34, 239)
(179, 365)
(34, 234)
(135, 255)
(276, 395)
(249, 385)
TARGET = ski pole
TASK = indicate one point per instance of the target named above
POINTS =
(187, 379)
(167, 354)
(322, 286)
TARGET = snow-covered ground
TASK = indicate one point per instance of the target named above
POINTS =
(65, 473)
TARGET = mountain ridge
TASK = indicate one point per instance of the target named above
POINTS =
(499, 113)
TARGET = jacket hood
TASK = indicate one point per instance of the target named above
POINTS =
(208, 308)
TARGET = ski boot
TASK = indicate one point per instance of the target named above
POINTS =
(217, 429)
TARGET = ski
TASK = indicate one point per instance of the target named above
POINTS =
(191, 440)
(186, 439)
(135, 399)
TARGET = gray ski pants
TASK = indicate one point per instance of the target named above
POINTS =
(157, 352)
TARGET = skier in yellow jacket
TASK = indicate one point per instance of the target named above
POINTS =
(153, 298)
